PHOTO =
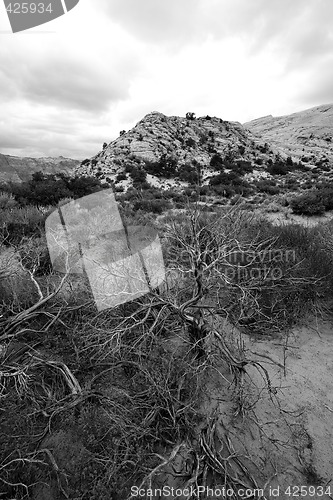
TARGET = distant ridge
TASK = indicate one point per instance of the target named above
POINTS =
(19, 169)
(306, 133)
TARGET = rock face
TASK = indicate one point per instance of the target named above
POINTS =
(305, 135)
(185, 141)
(16, 169)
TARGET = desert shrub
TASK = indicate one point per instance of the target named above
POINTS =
(308, 184)
(121, 176)
(48, 189)
(236, 185)
(279, 167)
(179, 199)
(223, 190)
(307, 204)
(236, 199)
(154, 206)
(216, 162)
(190, 142)
(291, 183)
(325, 194)
(205, 190)
(293, 259)
(242, 167)
(191, 194)
(211, 148)
(203, 139)
(300, 166)
(272, 190)
(312, 247)
(244, 189)
(188, 173)
(35, 255)
(138, 175)
(267, 186)
(18, 223)
(7, 200)
(168, 194)
(272, 207)
(166, 166)
(224, 178)
(82, 186)
(17, 290)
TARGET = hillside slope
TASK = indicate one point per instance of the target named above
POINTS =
(174, 141)
(304, 135)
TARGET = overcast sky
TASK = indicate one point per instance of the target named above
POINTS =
(75, 82)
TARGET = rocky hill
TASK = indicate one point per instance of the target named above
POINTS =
(172, 151)
(307, 135)
(16, 169)
(168, 147)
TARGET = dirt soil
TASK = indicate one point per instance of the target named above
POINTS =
(282, 434)
(299, 417)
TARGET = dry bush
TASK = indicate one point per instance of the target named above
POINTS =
(129, 384)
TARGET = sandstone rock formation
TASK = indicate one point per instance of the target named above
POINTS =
(307, 135)
(185, 141)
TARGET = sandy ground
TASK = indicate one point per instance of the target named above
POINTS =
(299, 417)
(283, 436)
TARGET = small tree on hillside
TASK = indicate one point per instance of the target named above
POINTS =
(190, 115)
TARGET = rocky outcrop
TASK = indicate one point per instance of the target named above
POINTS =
(186, 141)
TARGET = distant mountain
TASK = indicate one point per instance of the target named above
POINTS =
(17, 169)
(159, 142)
(305, 135)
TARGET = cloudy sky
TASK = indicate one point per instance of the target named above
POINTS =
(75, 82)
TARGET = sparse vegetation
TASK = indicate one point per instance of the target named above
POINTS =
(190, 115)
(165, 167)
(164, 389)
(45, 190)
(132, 381)
(315, 201)
(307, 204)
